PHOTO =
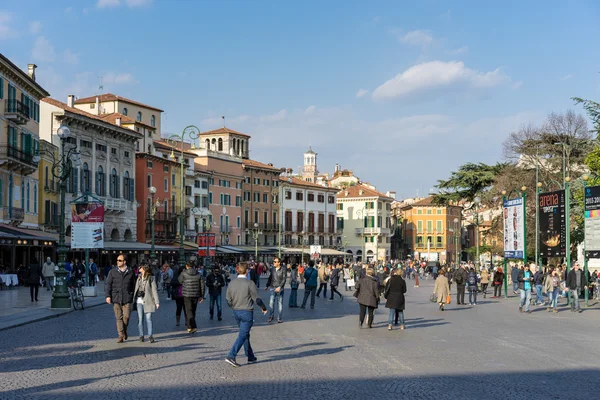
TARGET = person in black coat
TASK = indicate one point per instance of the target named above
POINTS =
(191, 282)
(120, 284)
(368, 296)
(394, 294)
(215, 282)
(576, 282)
(34, 273)
(334, 281)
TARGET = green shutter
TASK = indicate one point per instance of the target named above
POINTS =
(0, 192)
(1, 88)
(365, 221)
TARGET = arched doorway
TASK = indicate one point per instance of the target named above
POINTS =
(359, 255)
(114, 235)
(128, 235)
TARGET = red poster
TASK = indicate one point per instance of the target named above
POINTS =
(87, 212)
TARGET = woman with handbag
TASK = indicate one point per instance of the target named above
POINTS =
(367, 292)
(498, 279)
(394, 294)
(146, 300)
(294, 283)
(441, 289)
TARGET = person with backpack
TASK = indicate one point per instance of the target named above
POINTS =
(310, 284)
(472, 281)
(460, 278)
(93, 271)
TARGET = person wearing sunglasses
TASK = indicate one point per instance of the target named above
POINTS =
(120, 285)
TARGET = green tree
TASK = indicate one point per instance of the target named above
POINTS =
(471, 180)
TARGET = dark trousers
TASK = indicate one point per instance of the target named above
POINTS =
(34, 289)
(498, 290)
(309, 291)
(122, 314)
(179, 303)
(322, 285)
(92, 279)
(460, 294)
(334, 290)
(363, 311)
(484, 289)
(190, 304)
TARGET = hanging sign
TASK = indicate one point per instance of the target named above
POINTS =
(552, 223)
(87, 225)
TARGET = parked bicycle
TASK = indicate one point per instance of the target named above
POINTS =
(77, 295)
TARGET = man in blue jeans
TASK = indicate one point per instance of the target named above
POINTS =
(525, 279)
(215, 282)
(276, 283)
(310, 284)
(242, 296)
(538, 281)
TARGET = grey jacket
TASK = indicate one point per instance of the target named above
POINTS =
(148, 286)
(277, 278)
(191, 280)
(242, 295)
(48, 269)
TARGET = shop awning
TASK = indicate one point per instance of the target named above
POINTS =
(228, 250)
(261, 249)
(24, 233)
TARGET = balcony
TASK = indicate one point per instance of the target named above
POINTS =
(372, 231)
(14, 215)
(263, 227)
(162, 216)
(117, 206)
(225, 228)
(190, 234)
(14, 159)
(16, 111)
(51, 186)
(161, 236)
(51, 221)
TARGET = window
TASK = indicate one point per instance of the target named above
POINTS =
(419, 211)
(138, 117)
(100, 147)
(86, 184)
(220, 144)
(197, 184)
(100, 181)
(246, 196)
(204, 185)
(439, 241)
(149, 164)
(310, 197)
(340, 206)
(429, 211)
(28, 198)
(429, 226)
(256, 197)
(166, 169)
(246, 179)
(257, 181)
(265, 217)
(419, 241)
(128, 187)
(238, 185)
(85, 144)
(166, 183)
(115, 188)
(439, 211)
(331, 200)
(439, 226)
(321, 198)
(238, 224)
(265, 197)
(173, 179)
(126, 153)
(210, 198)
(238, 201)
(265, 182)
(299, 196)
(35, 199)
(419, 226)
(113, 151)
(255, 216)
(152, 121)
(149, 180)
(124, 111)
(288, 195)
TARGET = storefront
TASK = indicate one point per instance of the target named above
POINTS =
(21, 247)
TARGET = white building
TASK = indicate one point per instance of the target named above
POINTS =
(107, 168)
(365, 222)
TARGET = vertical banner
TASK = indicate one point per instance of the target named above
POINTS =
(87, 225)
(207, 243)
(592, 221)
(553, 230)
(514, 228)
(315, 252)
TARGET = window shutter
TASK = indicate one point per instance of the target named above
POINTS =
(125, 192)
(131, 189)
(118, 185)
(97, 180)
(75, 173)
(365, 221)
(1, 88)
(111, 188)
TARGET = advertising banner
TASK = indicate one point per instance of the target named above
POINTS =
(315, 252)
(87, 225)
(592, 221)
(553, 238)
(207, 243)
(514, 228)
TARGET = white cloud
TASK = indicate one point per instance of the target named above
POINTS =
(429, 76)
(460, 50)
(6, 30)
(35, 27)
(416, 38)
(42, 50)
(108, 3)
(361, 93)
(69, 57)
(117, 3)
(112, 78)
(137, 3)
(517, 85)
(566, 77)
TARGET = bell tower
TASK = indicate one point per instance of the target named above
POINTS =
(310, 172)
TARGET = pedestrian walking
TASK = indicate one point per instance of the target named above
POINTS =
(215, 282)
(147, 302)
(34, 273)
(514, 275)
(347, 276)
(323, 279)
(48, 273)
(441, 289)
(552, 286)
(394, 295)
(191, 282)
(460, 278)
(276, 284)
(167, 276)
(525, 280)
(241, 296)
(367, 291)
(177, 294)
(294, 284)
(538, 282)
(119, 287)
(576, 282)
(485, 280)
(498, 279)
(310, 284)
(334, 282)
(92, 271)
(472, 281)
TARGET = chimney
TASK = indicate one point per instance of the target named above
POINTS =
(337, 167)
(71, 100)
(360, 192)
(118, 121)
(98, 107)
(31, 71)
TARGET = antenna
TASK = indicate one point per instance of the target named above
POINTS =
(223, 118)
(101, 85)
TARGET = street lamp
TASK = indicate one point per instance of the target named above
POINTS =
(192, 133)
(361, 215)
(61, 170)
(456, 236)
(278, 191)
(303, 244)
(477, 201)
(256, 232)
(153, 208)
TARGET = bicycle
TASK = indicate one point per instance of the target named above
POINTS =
(77, 295)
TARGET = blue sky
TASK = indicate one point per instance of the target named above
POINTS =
(400, 92)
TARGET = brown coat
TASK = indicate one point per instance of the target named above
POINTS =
(441, 289)
(485, 277)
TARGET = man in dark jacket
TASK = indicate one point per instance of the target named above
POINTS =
(191, 282)
(276, 283)
(119, 288)
(334, 281)
(538, 281)
(215, 282)
(576, 282)
(310, 284)
(460, 278)
(514, 275)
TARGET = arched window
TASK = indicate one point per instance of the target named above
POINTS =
(214, 144)
(100, 181)
(124, 111)
(207, 144)
(138, 117)
(114, 184)
(35, 199)
(126, 186)
(86, 184)
(220, 144)
(153, 121)
(28, 197)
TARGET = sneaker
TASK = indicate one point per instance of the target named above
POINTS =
(580, 311)
(120, 339)
(232, 362)
(151, 338)
(270, 319)
(555, 311)
(474, 304)
(401, 327)
(219, 319)
(279, 320)
(389, 327)
(253, 361)
(141, 339)
(302, 307)
(528, 311)
(312, 308)
(520, 309)
(193, 330)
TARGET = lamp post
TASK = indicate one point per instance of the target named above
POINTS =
(477, 201)
(153, 208)
(191, 132)
(303, 244)
(61, 170)
(456, 236)
(256, 232)
(278, 191)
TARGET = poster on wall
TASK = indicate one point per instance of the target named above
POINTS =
(552, 223)
(514, 232)
(207, 243)
(87, 225)
(315, 252)
(592, 221)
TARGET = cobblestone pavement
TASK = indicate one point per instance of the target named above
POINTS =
(488, 351)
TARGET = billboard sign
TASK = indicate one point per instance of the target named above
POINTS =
(315, 252)
(87, 225)
(552, 223)
(514, 228)
(592, 221)
(207, 245)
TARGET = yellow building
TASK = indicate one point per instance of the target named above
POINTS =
(48, 198)
(19, 142)
(432, 233)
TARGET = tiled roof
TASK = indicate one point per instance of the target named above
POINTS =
(301, 182)
(428, 201)
(112, 118)
(186, 147)
(224, 130)
(112, 97)
(77, 111)
(258, 164)
(24, 75)
(361, 191)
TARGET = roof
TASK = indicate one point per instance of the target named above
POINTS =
(112, 118)
(428, 201)
(300, 182)
(77, 111)
(112, 97)
(186, 147)
(310, 151)
(257, 164)
(224, 130)
(361, 191)
(24, 75)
